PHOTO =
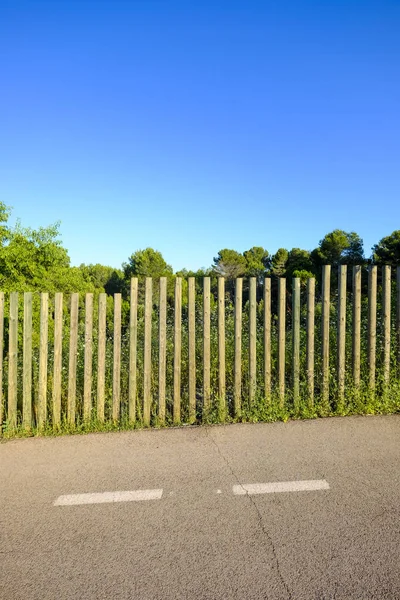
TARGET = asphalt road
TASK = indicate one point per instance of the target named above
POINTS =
(199, 539)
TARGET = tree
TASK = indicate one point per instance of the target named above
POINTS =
(150, 263)
(354, 254)
(105, 278)
(67, 280)
(147, 263)
(387, 251)
(339, 247)
(35, 260)
(257, 262)
(303, 275)
(229, 264)
(4, 229)
(299, 264)
(278, 262)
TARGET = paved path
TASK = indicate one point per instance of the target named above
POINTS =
(303, 510)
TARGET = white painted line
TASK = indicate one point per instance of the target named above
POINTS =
(106, 497)
(249, 489)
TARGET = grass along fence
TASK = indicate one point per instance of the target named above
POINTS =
(243, 350)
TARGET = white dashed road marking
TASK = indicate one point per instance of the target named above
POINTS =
(106, 497)
(245, 489)
(249, 489)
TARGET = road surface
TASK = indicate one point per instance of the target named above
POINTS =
(303, 510)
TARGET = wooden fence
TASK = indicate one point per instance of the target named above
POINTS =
(39, 392)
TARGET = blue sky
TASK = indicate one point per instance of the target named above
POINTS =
(194, 126)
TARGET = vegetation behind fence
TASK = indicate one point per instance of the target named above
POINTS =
(249, 350)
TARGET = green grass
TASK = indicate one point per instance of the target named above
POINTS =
(361, 401)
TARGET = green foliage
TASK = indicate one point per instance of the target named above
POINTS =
(303, 275)
(150, 263)
(299, 261)
(339, 247)
(387, 251)
(279, 262)
(257, 262)
(5, 212)
(105, 279)
(35, 260)
(230, 264)
(146, 263)
(354, 253)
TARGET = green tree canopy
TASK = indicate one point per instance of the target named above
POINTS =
(303, 275)
(36, 260)
(229, 264)
(104, 278)
(257, 262)
(278, 262)
(387, 251)
(147, 263)
(339, 247)
(299, 261)
(4, 229)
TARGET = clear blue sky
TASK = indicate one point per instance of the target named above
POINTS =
(198, 125)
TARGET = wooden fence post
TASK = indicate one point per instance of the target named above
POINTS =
(386, 322)
(27, 363)
(73, 351)
(162, 360)
(101, 357)
(221, 347)
(281, 338)
(192, 349)
(13, 362)
(148, 310)
(356, 325)
(326, 303)
(341, 334)
(296, 342)
(133, 350)
(372, 287)
(252, 339)
(57, 366)
(238, 347)
(117, 359)
(310, 339)
(87, 384)
(177, 350)
(43, 356)
(267, 338)
(398, 321)
(206, 346)
(1, 361)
